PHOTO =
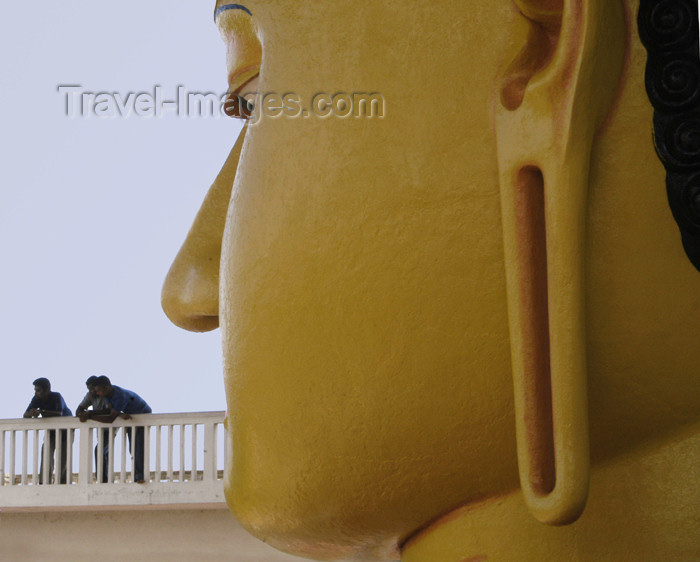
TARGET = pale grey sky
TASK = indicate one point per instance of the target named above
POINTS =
(92, 211)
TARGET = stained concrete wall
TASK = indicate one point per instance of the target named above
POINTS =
(186, 535)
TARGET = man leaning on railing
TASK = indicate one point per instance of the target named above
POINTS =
(122, 403)
(49, 404)
(94, 406)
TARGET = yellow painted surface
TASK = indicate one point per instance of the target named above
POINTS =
(362, 286)
(643, 507)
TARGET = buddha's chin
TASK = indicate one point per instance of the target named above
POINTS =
(341, 470)
(308, 535)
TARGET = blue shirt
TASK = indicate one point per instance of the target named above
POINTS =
(126, 401)
(54, 403)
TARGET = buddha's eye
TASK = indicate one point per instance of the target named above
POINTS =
(238, 107)
(241, 104)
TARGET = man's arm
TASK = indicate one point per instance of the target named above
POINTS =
(50, 413)
(57, 404)
(96, 415)
(111, 416)
(56, 407)
(36, 412)
(83, 406)
(84, 414)
(32, 411)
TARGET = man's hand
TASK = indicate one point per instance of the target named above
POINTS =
(125, 416)
(83, 415)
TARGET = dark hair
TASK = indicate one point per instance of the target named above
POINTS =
(102, 381)
(91, 381)
(669, 31)
(43, 382)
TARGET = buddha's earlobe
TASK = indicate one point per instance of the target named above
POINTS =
(553, 98)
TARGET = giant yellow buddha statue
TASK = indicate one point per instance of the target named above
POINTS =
(460, 323)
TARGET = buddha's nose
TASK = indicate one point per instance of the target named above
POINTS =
(190, 295)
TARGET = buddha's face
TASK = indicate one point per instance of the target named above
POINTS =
(355, 266)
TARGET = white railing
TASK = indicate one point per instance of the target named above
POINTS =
(183, 460)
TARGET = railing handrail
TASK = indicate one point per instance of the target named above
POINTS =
(68, 422)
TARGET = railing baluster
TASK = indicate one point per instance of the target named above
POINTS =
(193, 473)
(209, 452)
(35, 457)
(182, 452)
(132, 451)
(147, 453)
(215, 458)
(99, 452)
(111, 442)
(46, 457)
(170, 452)
(25, 440)
(12, 458)
(158, 474)
(226, 445)
(69, 456)
(125, 452)
(2, 457)
(58, 442)
(85, 458)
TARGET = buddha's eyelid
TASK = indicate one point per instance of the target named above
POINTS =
(231, 7)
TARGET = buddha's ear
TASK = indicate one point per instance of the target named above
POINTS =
(553, 99)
